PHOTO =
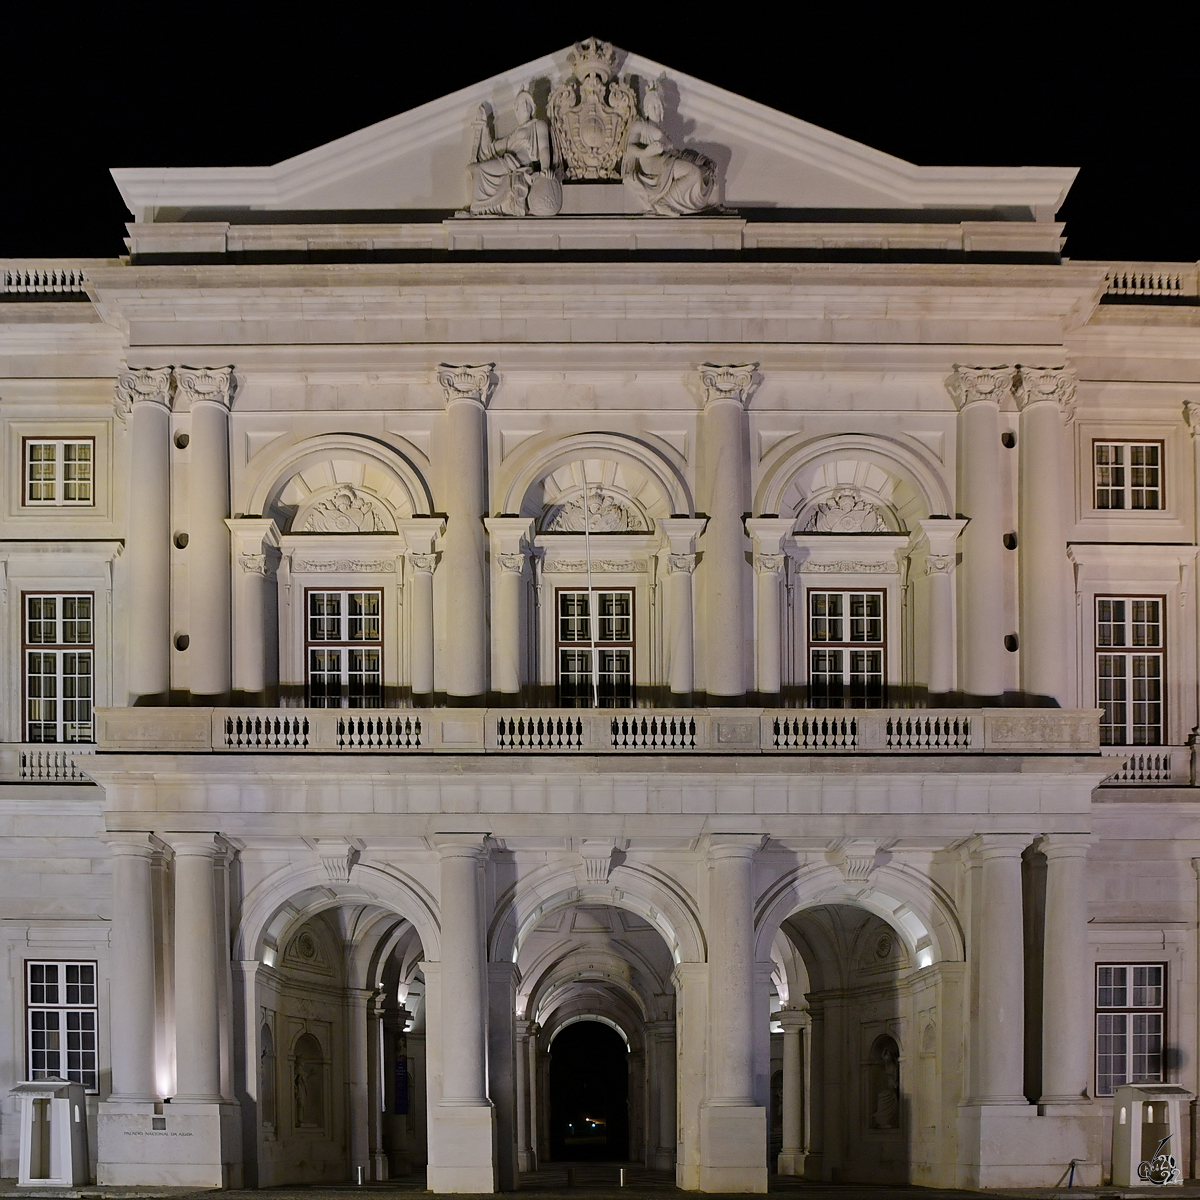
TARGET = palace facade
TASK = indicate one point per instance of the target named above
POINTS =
(596, 619)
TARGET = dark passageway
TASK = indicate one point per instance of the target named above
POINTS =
(589, 1094)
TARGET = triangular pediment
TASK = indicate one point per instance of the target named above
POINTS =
(765, 159)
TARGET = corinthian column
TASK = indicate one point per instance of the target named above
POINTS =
(769, 561)
(419, 535)
(681, 534)
(508, 536)
(978, 393)
(1045, 398)
(146, 394)
(464, 466)
(207, 392)
(726, 485)
(941, 536)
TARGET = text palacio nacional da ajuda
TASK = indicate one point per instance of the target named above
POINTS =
(596, 571)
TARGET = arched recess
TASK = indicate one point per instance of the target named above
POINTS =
(658, 485)
(292, 477)
(559, 1026)
(922, 915)
(293, 894)
(892, 474)
(654, 897)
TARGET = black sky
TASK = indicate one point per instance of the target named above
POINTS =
(1112, 89)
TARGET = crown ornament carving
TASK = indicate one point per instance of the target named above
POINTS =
(142, 385)
(590, 113)
(466, 382)
(727, 382)
(970, 384)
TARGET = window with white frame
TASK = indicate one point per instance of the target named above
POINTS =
(344, 648)
(595, 651)
(1130, 669)
(1131, 1014)
(846, 649)
(60, 1021)
(59, 664)
(59, 473)
(1128, 475)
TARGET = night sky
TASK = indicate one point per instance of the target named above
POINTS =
(939, 84)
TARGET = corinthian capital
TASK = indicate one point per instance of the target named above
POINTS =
(969, 384)
(142, 385)
(466, 382)
(727, 383)
(1191, 416)
(1054, 385)
(194, 385)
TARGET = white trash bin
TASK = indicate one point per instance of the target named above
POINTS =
(54, 1151)
(1147, 1134)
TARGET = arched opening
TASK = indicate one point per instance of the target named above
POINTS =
(589, 1094)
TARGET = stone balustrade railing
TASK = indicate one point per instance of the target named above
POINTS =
(1149, 765)
(23, 277)
(600, 731)
(1178, 280)
(39, 762)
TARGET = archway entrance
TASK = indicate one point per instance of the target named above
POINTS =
(589, 1094)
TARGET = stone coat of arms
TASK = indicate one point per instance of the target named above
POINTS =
(590, 113)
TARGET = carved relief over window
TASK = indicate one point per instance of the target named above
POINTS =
(606, 513)
(345, 511)
(846, 512)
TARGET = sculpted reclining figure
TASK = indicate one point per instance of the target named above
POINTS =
(513, 176)
(665, 180)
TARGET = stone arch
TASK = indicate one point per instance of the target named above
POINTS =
(293, 894)
(654, 897)
(921, 914)
(520, 481)
(294, 476)
(914, 489)
(576, 1020)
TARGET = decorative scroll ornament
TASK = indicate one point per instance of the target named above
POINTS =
(727, 382)
(681, 564)
(514, 176)
(846, 512)
(423, 562)
(768, 564)
(940, 564)
(194, 384)
(601, 566)
(1191, 416)
(466, 382)
(1056, 385)
(346, 511)
(664, 179)
(253, 564)
(511, 564)
(847, 566)
(364, 566)
(969, 384)
(590, 113)
(606, 513)
(150, 384)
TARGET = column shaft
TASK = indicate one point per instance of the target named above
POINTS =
(463, 558)
(682, 676)
(148, 550)
(524, 1156)
(1045, 572)
(999, 960)
(941, 628)
(791, 1153)
(198, 963)
(421, 648)
(1066, 1018)
(769, 572)
(731, 979)
(209, 578)
(357, 1076)
(133, 1011)
(981, 584)
(724, 545)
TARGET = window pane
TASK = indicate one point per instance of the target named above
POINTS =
(76, 620)
(1146, 625)
(77, 472)
(825, 623)
(1111, 991)
(365, 680)
(1110, 622)
(41, 620)
(324, 616)
(45, 1044)
(1146, 680)
(1112, 1052)
(362, 623)
(1147, 987)
(325, 678)
(573, 616)
(43, 983)
(41, 466)
(614, 617)
(1146, 1049)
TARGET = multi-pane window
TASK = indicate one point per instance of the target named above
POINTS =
(1128, 474)
(1131, 1006)
(845, 649)
(59, 473)
(60, 1011)
(59, 655)
(595, 648)
(1129, 669)
(344, 647)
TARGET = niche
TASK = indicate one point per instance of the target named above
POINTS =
(308, 1083)
(883, 1091)
(266, 1077)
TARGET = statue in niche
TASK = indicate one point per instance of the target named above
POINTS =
(345, 512)
(665, 180)
(846, 512)
(606, 513)
(309, 1084)
(886, 1077)
(514, 176)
